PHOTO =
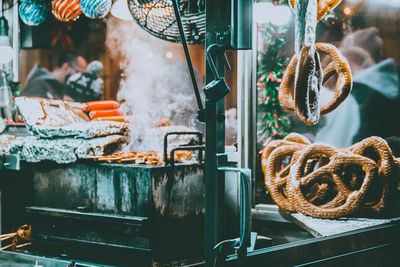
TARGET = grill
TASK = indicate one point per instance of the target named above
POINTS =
(88, 209)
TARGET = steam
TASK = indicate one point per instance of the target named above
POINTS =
(153, 86)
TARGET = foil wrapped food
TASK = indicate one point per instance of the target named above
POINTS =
(46, 118)
(64, 150)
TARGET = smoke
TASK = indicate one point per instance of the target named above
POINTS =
(153, 86)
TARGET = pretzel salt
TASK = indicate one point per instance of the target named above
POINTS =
(339, 66)
(324, 6)
(321, 181)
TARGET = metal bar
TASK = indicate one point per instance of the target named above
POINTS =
(198, 134)
(217, 22)
(241, 24)
(324, 247)
(15, 42)
(187, 55)
(247, 114)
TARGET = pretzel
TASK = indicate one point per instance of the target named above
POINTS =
(275, 175)
(377, 149)
(339, 65)
(324, 6)
(324, 182)
(346, 201)
(308, 83)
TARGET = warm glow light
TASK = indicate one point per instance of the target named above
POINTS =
(267, 12)
(169, 55)
(120, 10)
(6, 51)
(347, 11)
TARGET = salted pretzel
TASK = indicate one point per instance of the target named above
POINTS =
(308, 83)
(377, 149)
(339, 66)
(275, 171)
(324, 182)
(345, 202)
(324, 6)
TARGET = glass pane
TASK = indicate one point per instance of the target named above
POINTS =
(366, 33)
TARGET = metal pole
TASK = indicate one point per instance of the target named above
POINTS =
(188, 59)
(15, 43)
(217, 22)
(247, 114)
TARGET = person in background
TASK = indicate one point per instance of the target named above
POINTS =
(374, 101)
(51, 84)
(86, 86)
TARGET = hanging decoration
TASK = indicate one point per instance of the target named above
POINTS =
(273, 122)
(66, 10)
(96, 9)
(33, 12)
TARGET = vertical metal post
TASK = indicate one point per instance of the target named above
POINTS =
(247, 114)
(247, 108)
(217, 22)
(15, 42)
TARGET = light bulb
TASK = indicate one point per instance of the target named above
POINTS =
(6, 51)
(120, 10)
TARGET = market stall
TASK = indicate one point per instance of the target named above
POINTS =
(284, 155)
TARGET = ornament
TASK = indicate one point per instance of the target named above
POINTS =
(96, 9)
(66, 10)
(33, 12)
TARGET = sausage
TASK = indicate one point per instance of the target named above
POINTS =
(104, 113)
(112, 118)
(101, 105)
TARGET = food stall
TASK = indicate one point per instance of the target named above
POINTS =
(279, 159)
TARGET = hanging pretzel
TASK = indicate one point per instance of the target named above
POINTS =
(308, 83)
(324, 6)
(339, 66)
(304, 77)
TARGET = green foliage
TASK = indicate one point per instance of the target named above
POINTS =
(273, 121)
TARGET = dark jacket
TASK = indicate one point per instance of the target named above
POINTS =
(41, 83)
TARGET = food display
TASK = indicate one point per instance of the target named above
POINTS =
(63, 132)
(305, 75)
(148, 158)
(47, 118)
(65, 150)
(324, 182)
(107, 110)
(5, 143)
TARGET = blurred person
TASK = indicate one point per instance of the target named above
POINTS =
(374, 99)
(88, 85)
(51, 84)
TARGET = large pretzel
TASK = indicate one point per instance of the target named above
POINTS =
(345, 201)
(276, 172)
(324, 182)
(324, 6)
(377, 149)
(339, 66)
